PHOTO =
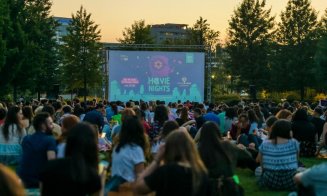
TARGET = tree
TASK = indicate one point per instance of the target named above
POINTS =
(323, 22)
(297, 36)
(138, 33)
(321, 60)
(202, 34)
(321, 54)
(40, 65)
(81, 53)
(250, 34)
(3, 17)
(12, 42)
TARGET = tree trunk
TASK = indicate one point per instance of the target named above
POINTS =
(302, 92)
(15, 93)
(85, 90)
(38, 95)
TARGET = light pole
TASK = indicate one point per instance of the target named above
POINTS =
(230, 79)
(213, 76)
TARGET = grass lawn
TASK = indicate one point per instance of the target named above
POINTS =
(248, 180)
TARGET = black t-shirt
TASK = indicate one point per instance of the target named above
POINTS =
(57, 179)
(199, 122)
(303, 131)
(173, 179)
(180, 121)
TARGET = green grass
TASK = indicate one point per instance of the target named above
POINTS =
(248, 180)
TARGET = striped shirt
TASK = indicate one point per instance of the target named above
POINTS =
(279, 156)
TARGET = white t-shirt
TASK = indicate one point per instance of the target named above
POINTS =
(123, 162)
(61, 150)
(155, 147)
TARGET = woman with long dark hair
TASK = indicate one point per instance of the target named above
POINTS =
(128, 155)
(160, 117)
(183, 117)
(279, 157)
(220, 157)
(11, 135)
(77, 173)
(260, 116)
(167, 128)
(182, 171)
(304, 132)
(27, 121)
(230, 118)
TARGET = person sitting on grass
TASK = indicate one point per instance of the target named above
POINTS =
(77, 173)
(168, 127)
(323, 139)
(128, 156)
(313, 179)
(11, 135)
(10, 184)
(269, 122)
(278, 157)
(221, 157)
(182, 171)
(38, 148)
(304, 132)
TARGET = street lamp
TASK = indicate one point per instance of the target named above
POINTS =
(229, 77)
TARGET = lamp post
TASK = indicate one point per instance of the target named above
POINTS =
(229, 77)
(213, 76)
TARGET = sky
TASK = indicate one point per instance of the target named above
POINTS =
(113, 16)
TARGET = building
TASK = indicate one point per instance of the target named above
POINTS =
(168, 32)
(61, 30)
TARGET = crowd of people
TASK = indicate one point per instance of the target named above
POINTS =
(177, 148)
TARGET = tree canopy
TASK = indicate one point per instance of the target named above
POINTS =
(297, 37)
(250, 33)
(81, 53)
(138, 33)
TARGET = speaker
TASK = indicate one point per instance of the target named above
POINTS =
(253, 92)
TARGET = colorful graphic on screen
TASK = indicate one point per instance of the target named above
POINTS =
(152, 75)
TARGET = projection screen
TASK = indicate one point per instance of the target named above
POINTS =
(153, 75)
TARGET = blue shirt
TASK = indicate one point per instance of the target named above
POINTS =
(35, 148)
(109, 113)
(221, 117)
(279, 156)
(95, 117)
(212, 117)
(124, 162)
(316, 177)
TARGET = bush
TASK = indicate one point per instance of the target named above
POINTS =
(292, 96)
(230, 99)
(319, 97)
